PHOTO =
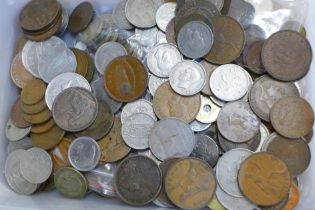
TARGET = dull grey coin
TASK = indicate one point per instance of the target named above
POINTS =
(252, 144)
(14, 133)
(171, 137)
(149, 154)
(119, 16)
(165, 14)
(218, 3)
(209, 68)
(24, 144)
(242, 11)
(197, 126)
(84, 154)
(264, 134)
(139, 106)
(155, 82)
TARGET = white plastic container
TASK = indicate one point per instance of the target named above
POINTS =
(9, 32)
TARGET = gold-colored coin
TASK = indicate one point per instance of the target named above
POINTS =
(33, 92)
(190, 183)
(35, 108)
(38, 118)
(44, 127)
(215, 204)
(19, 45)
(91, 69)
(59, 154)
(17, 115)
(49, 139)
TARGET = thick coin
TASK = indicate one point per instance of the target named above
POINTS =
(138, 180)
(81, 17)
(38, 118)
(59, 154)
(197, 126)
(92, 31)
(33, 92)
(170, 32)
(292, 117)
(209, 68)
(24, 144)
(19, 44)
(171, 137)
(229, 40)
(264, 179)
(208, 112)
(70, 183)
(190, 183)
(281, 55)
(165, 14)
(252, 58)
(140, 106)
(215, 204)
(125, 78)
(49, 139)
(84, 153)
(155, 83)
(35, 108)
(44, 127)
(16, 115)
(14, 133)
(119, 16)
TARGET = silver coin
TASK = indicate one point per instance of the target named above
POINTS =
(106, 53)
(141, 13)
(187, 78)
(139, 106)
(101, 94)
(36, 166)
(119, 16)
(135, 131)
(217, 101)
(30, 58)
(209, 68)
(242, 11)
(75, 109)
(14, 133)
(250, 84)
(251, 145)
(84, 153)
(218, 4)
(155, 82)
(161, 37)
(165, 14)
(264, 134)
(227, 170)
(197, 126)
(24, 144)
(171, 137)
(13, 174)
(162, 58)
(208, 112)
(64, 24)
(229, 82)
(158, 203)
(149, 154)
(92, 31)
(63, 82)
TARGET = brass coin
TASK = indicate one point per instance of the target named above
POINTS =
(112, 145)
(35, 108)
(292, 117)
(17, 115)
(33, 92)
(294, 197)
(229, 40)
(19, 45)
(91, 69)
(38, 118)
(59, 154)
(81, 17)
(44, 127)
(264, 179)
(125, 78)
(167, 103)
(190, 183)
(49, 139)
(19, 75)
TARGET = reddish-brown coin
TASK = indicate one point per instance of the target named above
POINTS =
(35, 108)
(17, 115)
(33, 92)
(49, 139)
(125, 78)
(294, 198)
(252, 58)
(292, 117)
(19, 75)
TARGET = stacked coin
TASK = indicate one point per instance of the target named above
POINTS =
(85, 64)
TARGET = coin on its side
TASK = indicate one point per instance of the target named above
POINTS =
(33, 92)
(49, 139)
(208, 112)
(16, 115)
(35, 108)
(170, 32)
(14, 133)
(165, 14)
(119, 16)
(139, 106)
(294, 197)
(209, 68)
(44, 127)
(38, 118)
(81, 17)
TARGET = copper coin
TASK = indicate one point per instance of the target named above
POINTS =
(264, 179)
(190, 183)
(38, 118)
(33, 92)
(292, 117)
(287, 55)
(44, 127)
(81, 17)
(229, 40)
(125, 78)
(35, 108)
(82, 62)
(167, 103)
(49, 139)
(19, 44)
(17, 115)
(294, 197)
(19, 75)
(59, 154)
(170, 32)
(252, 58)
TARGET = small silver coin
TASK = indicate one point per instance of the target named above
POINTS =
(197, 126)
(24, 144)
(119, 16)
(14, 133)
(208, 112)
(155, 82)
(165, 14)
(242, 11)
(264, 135)
(139, 106)
(84, 154)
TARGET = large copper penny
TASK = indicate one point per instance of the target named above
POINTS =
(81, 17)
(49, 139)
(17, 115)
(264, 179)
(20, 76)
(287, 55)
(292, 117)
(190, 183)
(33, 92)
(125, 78)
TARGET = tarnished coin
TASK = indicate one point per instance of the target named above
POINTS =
(197, 126)
(24, 144)
(155, 83)
(84, 154)
(19, 45)
(292, 117)
(125, 78)
(34, 108)
(229, 40)
(59, 154)
(36, 166)
(187, 78)
(242, 11)
(209, 68)
(294, 198)
(171, 137)
(49, 139)
(119, 16)
(264, 135)
(38, 118)
(229, 82)
(208, 112)
(252, 58)
(33, 92)
(149, 154)
(19, 75)
(215, 204)
(16, 115)
(254, 33)
(266, 91)
(193, 180)
(70, 182)
(75, 109)
(170, 32)
(81, 17)
(237, 122)
(139, 106)
(264, 179)
(165, 14)
(138, 180)
(92, 31)
(14, 133)
(252, 145)
(162, 58)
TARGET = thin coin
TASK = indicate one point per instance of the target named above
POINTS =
(81, 17)
(49, 139)
(19, 75)
(16, 115)
(38, 118)
(165, 14)
(119, 16)
(140, 106)
(209, 68)
(35, 108)
(252, 58)
(14, 133)
(215, 204)
(197, 126)
(208, 112)
(155, 82)
(59, 154)
(170, 32)
(44, 127)
(33, 92)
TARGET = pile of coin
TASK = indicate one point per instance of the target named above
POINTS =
(204, 110)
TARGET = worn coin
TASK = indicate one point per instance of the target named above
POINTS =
(190, 183)
(165, 14)
(171, 137)
(162, 58)
(34, 108)
(215, 204)
(149, 154)
(209, 68)
(14, 133)
(197, 126)
(155, 82)
(242, 11)
(208, 112)
(33, 92)
(119, 16)
(138, 180)
(92, 31)
(294, 198)
(24, 144)
(283, 116)
(16, 115)
(170, 32)
(81, 17)
(48, 139)
(38, 118)
(252, 58)
(59, 154)
(139, 106)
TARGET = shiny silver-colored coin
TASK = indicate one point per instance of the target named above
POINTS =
(24, 144)
(14, 133)
(187, 78)
(227, 170)
(106, 53)
(139, 106)
(119, 16)
(162, 58)
(197, 126)
(264, 135)
(36, 166)
(30, 58)
(62, 82)
(242, 11)
(149, 154)
(267, 142)
(155, 82)
(171, 137)
(237, 122)
(84, 153)
(165, 14)
(218, 3)
(13, 174)
(252, 144)
(229, 82)
(135, 131)
(208, 112)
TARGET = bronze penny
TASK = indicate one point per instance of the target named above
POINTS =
(229, 40)
(35, 108)
(59, 154)
(33, 92)
(167, 103)
(252, 58)
(292, 117)
(82, 62)
(17, 115)
(81, 17)
(209, 69)
(38, 118)
(125, 78)
(19, 75)
(264, 179)
(287, 55)
(19, 44)
(44, 127)
(170, 32)
(49, 139)
(190, 183)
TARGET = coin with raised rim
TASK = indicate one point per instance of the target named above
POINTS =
(14, 133)
(165, 14)
(119, 16)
